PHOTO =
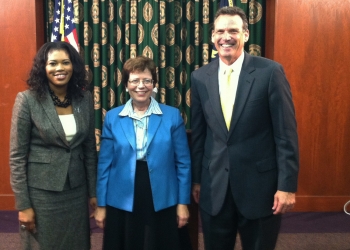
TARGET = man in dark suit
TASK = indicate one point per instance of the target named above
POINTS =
(244, 141)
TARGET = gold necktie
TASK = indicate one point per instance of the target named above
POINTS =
(225, 97)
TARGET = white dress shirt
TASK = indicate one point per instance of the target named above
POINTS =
(223, 69)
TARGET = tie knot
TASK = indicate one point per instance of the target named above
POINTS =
(229, 71)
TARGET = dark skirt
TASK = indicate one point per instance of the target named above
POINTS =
(61, 218)
(142, 229)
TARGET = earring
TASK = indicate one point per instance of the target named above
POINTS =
(126, 90)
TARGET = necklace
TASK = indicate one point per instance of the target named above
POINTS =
(57, 102)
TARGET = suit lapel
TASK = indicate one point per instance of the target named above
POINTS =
(129, 131)
(245, 83)
(212, 85)
(154, 122)
(78, 116)
(51, 113)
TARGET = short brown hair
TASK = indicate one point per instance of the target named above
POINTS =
(232, 11)
(139, 64)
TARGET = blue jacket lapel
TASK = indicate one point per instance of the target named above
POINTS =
(128, 127)
(154, 122)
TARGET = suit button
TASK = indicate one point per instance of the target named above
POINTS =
(68, 150)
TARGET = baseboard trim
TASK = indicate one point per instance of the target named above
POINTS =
(303, 203)
(320, 203)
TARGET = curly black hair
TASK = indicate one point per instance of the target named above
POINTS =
(38, 80)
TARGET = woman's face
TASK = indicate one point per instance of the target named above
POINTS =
(59, 68)
(140, 87)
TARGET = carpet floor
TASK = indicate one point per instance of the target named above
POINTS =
(286, 241)
(299, 231)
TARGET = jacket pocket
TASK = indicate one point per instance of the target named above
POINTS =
(39, 157)
(266, 165)
(256, 101)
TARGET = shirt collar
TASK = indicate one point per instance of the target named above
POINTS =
(236, 66)
(153, 108)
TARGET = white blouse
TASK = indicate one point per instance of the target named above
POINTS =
(69, 126)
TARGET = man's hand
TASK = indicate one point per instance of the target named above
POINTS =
(283, 202)
(196, 191)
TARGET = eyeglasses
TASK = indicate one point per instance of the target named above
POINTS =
(136, 82)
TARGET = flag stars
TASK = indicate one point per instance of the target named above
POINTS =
(64, 15)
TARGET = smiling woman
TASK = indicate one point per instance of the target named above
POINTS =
(59, 69)
(53, 152)
(144, 177)
(140, 87)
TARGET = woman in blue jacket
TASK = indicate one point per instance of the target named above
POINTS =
(144, 176)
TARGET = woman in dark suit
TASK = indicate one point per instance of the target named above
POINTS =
(143, 182)
(53, 152)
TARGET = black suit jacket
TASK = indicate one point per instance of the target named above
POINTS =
(259, 153)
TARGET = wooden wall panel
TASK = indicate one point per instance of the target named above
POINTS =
(311, 40)
(22, 32)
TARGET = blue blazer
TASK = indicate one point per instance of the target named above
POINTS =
(168, 160)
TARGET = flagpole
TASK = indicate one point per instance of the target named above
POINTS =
(62, 21)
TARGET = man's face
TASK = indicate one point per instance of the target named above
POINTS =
(229, 37)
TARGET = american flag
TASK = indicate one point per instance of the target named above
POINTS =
(63, 27)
